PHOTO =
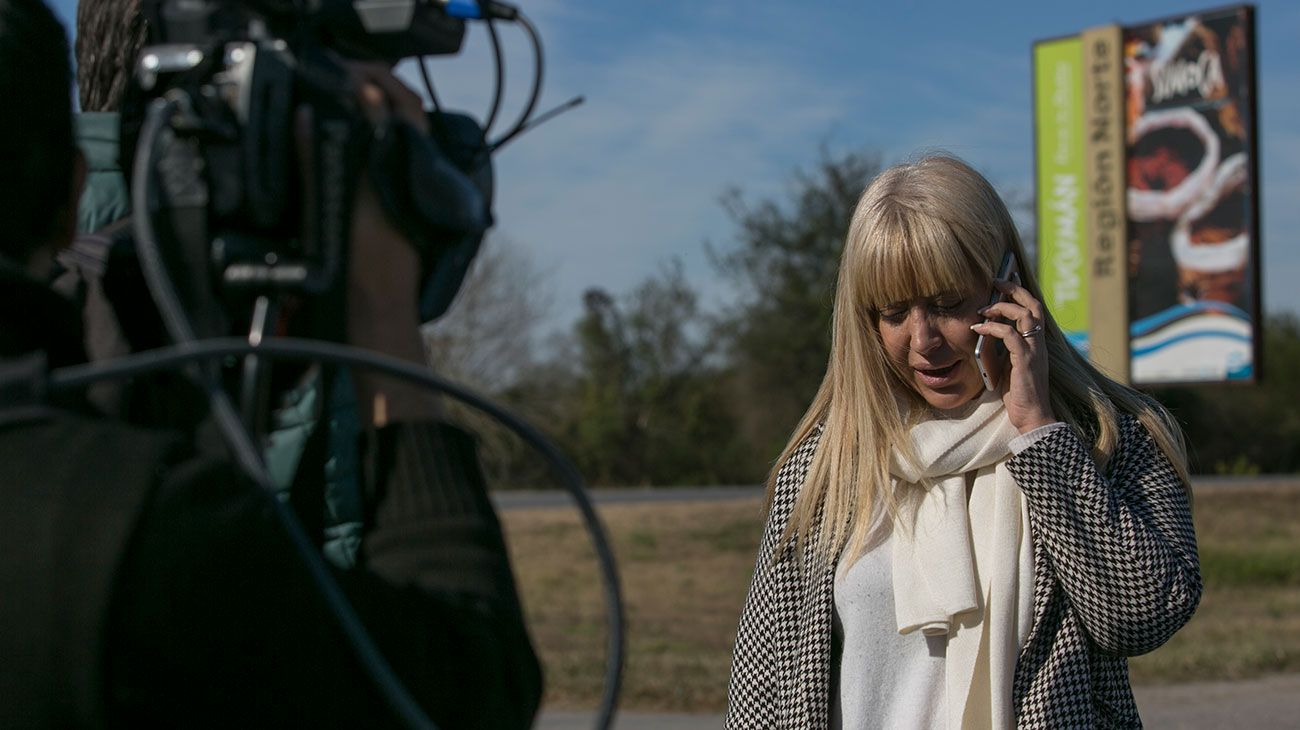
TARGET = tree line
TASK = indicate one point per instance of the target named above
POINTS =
(650, 388)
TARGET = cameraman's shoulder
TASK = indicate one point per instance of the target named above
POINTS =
(65, 441)
(97, 465)
(86, 479)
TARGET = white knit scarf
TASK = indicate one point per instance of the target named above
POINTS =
(963, 564)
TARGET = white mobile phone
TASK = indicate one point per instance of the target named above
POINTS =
(986, 347)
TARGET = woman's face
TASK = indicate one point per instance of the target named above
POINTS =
(930, 341)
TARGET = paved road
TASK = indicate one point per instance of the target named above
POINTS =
(534, 499)
(1270, 703)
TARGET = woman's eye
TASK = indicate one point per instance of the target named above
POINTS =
(893, 316)
(949, 305)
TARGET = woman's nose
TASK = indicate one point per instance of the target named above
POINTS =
(924, 335)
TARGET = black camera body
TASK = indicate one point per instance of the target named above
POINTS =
(213, 120)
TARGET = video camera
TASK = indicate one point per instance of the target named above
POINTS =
(211, 117)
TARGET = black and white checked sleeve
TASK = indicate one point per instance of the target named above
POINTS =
(1122, 543)
(760, 676)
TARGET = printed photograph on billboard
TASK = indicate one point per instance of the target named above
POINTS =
(1193, 229)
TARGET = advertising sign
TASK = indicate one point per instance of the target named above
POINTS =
(1193, 228)
(1062, 198)
(1147, 196)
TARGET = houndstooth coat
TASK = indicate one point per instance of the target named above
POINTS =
(1116, 574)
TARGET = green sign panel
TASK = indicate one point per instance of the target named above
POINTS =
(1062, 190)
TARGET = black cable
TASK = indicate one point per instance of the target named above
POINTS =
(500, 65)
(155, 271)
(538, 74)
(287, 348)
(164, 294)
(246, 455)
(428, 83)
(438, 120)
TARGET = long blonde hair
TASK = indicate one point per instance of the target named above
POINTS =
(920, 229)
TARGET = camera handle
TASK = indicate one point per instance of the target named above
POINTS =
(255, 383)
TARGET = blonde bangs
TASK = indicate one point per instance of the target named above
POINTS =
(907, 254)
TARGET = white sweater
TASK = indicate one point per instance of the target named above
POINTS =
(888, 680)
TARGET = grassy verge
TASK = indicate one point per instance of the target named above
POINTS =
(1249, 619)
(686, 568)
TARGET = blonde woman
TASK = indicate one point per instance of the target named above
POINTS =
(942, 555)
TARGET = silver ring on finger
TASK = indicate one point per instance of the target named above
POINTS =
(1032, 331)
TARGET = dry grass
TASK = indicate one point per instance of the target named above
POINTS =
(1249, 619)
(686, 567)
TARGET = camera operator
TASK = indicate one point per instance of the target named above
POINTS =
(144, 581)
(316, 413)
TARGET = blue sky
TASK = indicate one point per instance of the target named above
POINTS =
(686, 98)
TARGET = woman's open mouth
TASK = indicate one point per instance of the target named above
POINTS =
(935, 377)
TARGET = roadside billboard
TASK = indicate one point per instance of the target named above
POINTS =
(1192, 198)
(1147, 195)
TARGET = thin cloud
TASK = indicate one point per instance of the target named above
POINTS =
(632, 178)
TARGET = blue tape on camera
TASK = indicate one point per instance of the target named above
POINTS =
(463, 9)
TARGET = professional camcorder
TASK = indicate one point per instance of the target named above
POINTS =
(212, 118)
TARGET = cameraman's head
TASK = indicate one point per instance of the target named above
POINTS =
(40, 179)
(110, 34)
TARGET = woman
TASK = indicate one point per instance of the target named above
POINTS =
(941, 555)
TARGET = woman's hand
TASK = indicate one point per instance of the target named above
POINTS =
(1025, 384)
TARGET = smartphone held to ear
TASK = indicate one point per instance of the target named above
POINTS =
(990, 353)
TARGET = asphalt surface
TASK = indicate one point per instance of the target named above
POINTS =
(543, 499)
(535, 499)
(1269, 703)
